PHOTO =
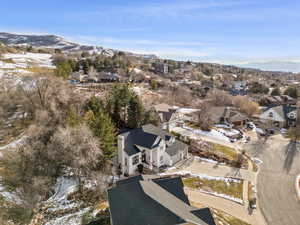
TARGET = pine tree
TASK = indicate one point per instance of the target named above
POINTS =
(136, 113)
(102, 126)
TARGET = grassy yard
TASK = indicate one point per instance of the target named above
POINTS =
(230, 153)
(230, 188)
(223, 218)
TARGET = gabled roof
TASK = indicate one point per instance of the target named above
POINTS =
(154, 202)
(149, 136)
(283, 110)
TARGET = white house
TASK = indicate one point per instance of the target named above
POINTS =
(279, 116)
(150, 147)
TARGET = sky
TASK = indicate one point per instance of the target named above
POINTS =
(254, 33)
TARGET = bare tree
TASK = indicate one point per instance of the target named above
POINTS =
(245, 105)
(219, 98)
(203, 116)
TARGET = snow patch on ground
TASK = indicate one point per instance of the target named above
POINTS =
(26, 59)
(64, 186)
(69, 219)
(207, 160)
(202, 176)
(14, 144)
(212, 133)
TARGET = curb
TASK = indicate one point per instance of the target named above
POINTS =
(297, 186)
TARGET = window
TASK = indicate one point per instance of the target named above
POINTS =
(270, 114)
(135, 160)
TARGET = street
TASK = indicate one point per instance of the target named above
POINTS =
(276, 179)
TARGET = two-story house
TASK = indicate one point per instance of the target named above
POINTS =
(280, 116)
(150, 147)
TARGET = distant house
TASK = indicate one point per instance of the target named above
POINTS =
(168, 115)
(279, 116)
(144, 200)
(108, 77)
(228, 115)
(161, 68)
(149, 147)
(79, 76)
(273, 101)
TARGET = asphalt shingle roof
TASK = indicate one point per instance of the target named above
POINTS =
(147, 136)
(142, 201)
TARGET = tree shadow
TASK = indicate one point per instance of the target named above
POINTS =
(258, 147)
(235, 172)
(291, 152)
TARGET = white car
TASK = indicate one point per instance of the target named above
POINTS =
(283, 131)
(257, 160)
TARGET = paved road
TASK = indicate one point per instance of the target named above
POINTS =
(276, 180)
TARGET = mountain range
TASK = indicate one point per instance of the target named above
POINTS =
(56, 42)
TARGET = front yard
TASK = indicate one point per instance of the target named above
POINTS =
(217, 185)
(219, 153)
(222, 218)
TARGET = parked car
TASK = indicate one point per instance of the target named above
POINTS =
(283, 131)
(252, 203)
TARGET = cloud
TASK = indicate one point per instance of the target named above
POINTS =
(161, 9)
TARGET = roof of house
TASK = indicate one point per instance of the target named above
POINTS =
(226, 112)
(148, 136)
(283, 110)
(162, 107)
(165, 111)
(154, 202)
(173, 149)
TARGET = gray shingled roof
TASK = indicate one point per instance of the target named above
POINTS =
(175, 147)
(147, 136)
(153, 202)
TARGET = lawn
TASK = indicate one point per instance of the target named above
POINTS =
(226, 219)
(230, 153)
(230, 187)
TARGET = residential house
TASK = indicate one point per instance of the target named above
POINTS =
(79, 76)
(279, 116)
(108, 77)
(149, 147)
(273, 101)
(168, 115)
(161, 68)
(228, 115)
(144, 200)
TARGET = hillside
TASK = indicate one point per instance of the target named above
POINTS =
(55, 42)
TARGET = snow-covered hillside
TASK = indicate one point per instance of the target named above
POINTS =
(55, 42)
(16, 67)
(26, 60)
(50, 41)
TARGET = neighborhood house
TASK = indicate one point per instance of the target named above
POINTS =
(149, 147)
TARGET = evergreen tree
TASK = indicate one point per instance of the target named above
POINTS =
(102, 126)
(292, 92)
(136, 113)
(276, 92)
(63, 69)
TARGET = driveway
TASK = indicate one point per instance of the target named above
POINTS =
(276, 180)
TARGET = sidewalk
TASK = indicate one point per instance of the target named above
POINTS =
(239, 211)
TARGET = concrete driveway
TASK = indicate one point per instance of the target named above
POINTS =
(276, 180)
